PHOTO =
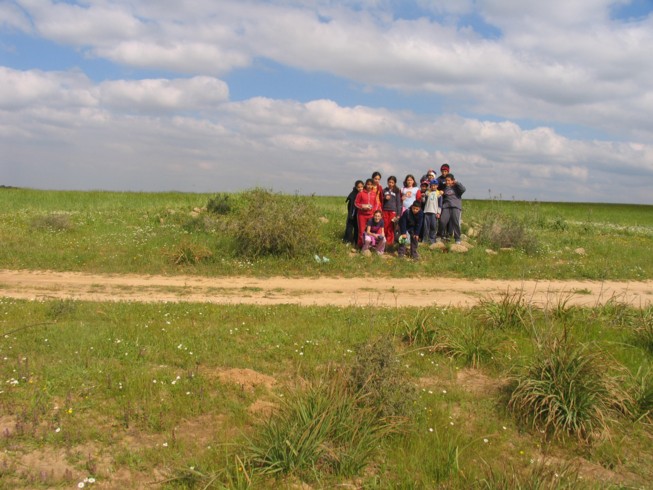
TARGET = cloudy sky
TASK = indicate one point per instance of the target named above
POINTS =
(528, 100)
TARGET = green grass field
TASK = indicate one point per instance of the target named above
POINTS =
(156, 233)
(502, 395)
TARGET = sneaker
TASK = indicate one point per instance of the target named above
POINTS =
(458, 242)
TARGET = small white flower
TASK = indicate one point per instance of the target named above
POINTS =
(81, 484)
(91, 479)
(444, 392)
(485, 440)
(430, 429)
(58, 429)
(165, 444)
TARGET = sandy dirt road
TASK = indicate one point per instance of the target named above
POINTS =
(32, 284)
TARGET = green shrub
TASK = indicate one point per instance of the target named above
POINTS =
(219, 204)
(504, 231)
(378, 373)
(52, 222)
(567, 390)
(276, 224)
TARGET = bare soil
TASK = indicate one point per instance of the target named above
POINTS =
(335, 291)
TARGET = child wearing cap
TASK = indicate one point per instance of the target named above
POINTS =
(444, 170)
(432, 209)
(452, 207)
(410, 225)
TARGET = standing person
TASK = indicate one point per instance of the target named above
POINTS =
(444, 170)
(410, 225)
(391, 209)
(432, 209)
(421, 197)
(378, 188)
(351, 228)
(366, 203)
(428, 176)
(452, 207)
(374, 235)
(408, 192)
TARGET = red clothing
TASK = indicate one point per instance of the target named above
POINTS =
(379, 194)
(362, 200)
(389, 228)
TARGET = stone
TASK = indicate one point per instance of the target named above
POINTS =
(458, 248)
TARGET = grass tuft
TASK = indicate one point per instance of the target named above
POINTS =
(566, 390)
(325, 428)
(509, 312)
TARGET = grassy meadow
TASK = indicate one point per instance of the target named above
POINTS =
(158, 233)
(502, 395)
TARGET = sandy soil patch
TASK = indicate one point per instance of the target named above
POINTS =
(35, 285)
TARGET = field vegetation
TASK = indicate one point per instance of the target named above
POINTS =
(258, 232)
(177, 395)
(206, 396)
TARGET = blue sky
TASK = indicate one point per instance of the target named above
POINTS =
(547, 101)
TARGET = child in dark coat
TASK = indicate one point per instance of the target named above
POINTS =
(410, 226)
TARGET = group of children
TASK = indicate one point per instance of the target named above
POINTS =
(378, 216)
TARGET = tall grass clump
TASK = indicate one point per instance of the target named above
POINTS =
(325, 428)
(567, 390)
(499, 230)
(643, 331)
(474, 344)
(420, 330)
(276, 224)
(539, 476)
(510, 311)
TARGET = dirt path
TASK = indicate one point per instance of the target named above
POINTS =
(25, 284)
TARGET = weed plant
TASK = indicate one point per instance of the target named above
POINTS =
(277, 225)
(325, 428)
(509, 312)
(568, 390)
(52, 222)
(473, 344)
(378, 375)
(643, 329)
(539, 476)
(499, 230)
